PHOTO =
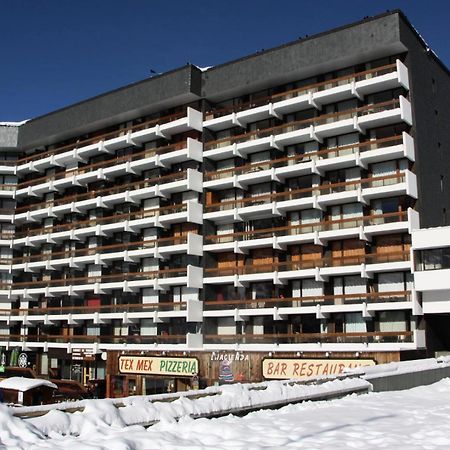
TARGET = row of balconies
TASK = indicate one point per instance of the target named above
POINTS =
(316, 128)
(97, 344)
(321, 306)
(361, 154)
(114, 167)
(190, 276)
(161, 128)
(312, 96)
(317, 197)
(189, 211)
(163, 186)
(300, 342)
(279, 273)
(128, 314)
(163, 248)
(194, 311)
(319, 233)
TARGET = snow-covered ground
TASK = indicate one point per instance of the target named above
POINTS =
(414, 419)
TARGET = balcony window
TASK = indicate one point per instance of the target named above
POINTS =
(225, 229)
(260, 161)
(394, 281)
(301, 149)
(341, 107)
(391, 321)
(259, 190)
(305, 218)
(344, 140)
(342, 215)
(354, 323)
(433, 259)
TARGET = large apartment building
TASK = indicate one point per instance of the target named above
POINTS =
(247, 221)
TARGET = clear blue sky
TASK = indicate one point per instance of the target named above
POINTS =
(58, 52)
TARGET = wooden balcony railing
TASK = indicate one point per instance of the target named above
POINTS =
(84, 339)
(301, 124)
(306, 157)
(149, 153)
(323, 189)
(8, 162)
(110, 135)
(182, 175)
(103, 249)
(370, 258)
(131, 307)
(293, 302)
(115, 218)
(111, 278)
(311, 338)
(327, 225)
(314, 87)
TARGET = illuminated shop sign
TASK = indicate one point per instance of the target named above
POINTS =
(303, 368)
(155, 365)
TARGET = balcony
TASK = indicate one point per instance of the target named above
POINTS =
(313, 232)
(311, 338)
(318, 197)
(286, 305)
(279, 272)
(190, 276)
(8, 166)
(346, 87)
(7, 190)
(162, 186)
(163, 127)
(318, 342)
(101, 343)
(316, 128)
(129, 313)
(360, 154)
(190, 211)
(190, 244)
(117, 166)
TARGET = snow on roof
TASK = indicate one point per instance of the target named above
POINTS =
(204, 69)
(25, 384)
(13, 124)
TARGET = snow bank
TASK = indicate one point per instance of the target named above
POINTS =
(411, 419)
(139, 410)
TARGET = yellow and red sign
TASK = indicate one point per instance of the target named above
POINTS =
(284, 369)
(158, 365)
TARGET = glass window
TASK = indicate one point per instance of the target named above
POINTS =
(433, 259)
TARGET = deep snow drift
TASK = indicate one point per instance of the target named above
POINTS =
(414, 419)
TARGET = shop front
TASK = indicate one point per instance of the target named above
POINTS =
(136, 374)
(146, 373)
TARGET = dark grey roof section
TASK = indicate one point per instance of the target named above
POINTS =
(303, 58)
(160, 92)
(8, 137)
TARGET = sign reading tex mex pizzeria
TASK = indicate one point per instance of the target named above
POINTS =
(158, 365)
(279, 369)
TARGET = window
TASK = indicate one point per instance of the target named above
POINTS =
(433, 259)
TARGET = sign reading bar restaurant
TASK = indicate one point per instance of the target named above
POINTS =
(156, 365)
(302, 368)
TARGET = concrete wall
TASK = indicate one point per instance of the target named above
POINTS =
(430, 92)
(408, 380)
